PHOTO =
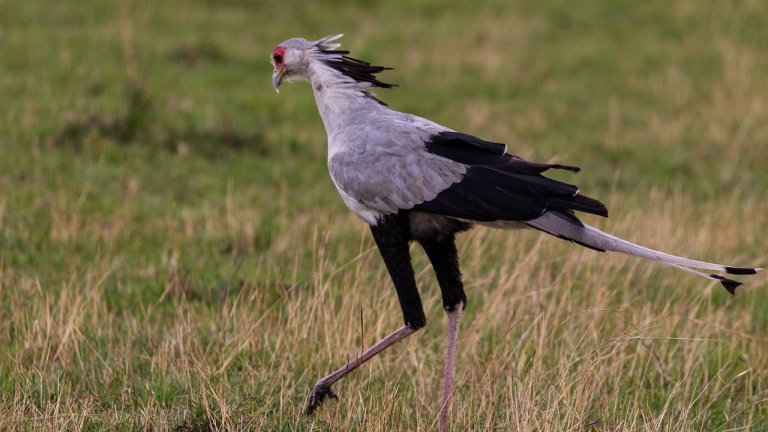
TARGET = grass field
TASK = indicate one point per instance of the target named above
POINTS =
(173, 255)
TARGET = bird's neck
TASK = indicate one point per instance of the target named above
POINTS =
(342, 102)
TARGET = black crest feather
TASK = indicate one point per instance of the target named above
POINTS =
(358, 70)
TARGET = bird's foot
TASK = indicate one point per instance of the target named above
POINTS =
(319, 392)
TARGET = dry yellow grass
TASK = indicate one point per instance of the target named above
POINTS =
(556, 338)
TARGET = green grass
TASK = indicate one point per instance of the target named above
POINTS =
(173, 255)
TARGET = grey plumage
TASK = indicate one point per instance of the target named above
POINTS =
(404, 173)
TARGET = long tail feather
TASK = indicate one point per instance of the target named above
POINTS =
(560, 226)
(728, 284)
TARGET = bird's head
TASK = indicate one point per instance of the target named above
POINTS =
(291, 58)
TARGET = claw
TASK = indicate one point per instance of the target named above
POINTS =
(317, 397)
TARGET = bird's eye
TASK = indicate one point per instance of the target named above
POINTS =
(277, 58)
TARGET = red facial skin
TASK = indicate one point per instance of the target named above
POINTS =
(278, 56)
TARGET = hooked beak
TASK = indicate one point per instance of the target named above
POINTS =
(277, 78)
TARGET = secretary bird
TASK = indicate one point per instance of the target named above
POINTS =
(412, 179)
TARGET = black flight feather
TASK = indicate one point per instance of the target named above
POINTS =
(470, 150)
(499, 186)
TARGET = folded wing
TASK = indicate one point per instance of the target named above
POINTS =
(501, 187)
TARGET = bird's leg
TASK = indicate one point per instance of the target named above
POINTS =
(391, 234)
(322, 387)
(454, 317)
(445, 260)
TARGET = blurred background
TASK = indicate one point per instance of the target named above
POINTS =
(173, 254)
